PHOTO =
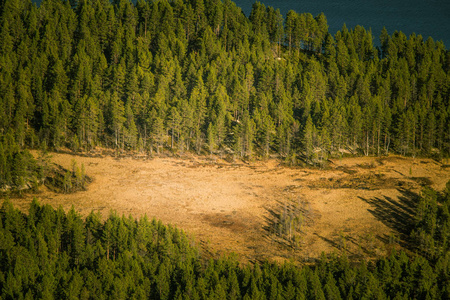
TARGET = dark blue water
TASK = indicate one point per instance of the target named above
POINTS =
(424, 17)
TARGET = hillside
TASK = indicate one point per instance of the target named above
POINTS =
(358, 206)
(200, 76)
(266, 137)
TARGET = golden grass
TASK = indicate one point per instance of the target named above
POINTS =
(356, 206)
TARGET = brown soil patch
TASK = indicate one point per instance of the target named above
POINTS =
(360, 206)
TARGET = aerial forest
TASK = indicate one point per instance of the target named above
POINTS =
(159, 77)
(200, 76)
(52, 254)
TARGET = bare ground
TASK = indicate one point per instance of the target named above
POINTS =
(361, 206)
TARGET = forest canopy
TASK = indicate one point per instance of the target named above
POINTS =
(200, 76)
(52, 254)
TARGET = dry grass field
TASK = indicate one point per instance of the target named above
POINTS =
(360, 206)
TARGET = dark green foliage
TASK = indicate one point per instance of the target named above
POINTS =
(198, 75)
(52, 254)
(18, 169)
(61, 180)
(432, 223)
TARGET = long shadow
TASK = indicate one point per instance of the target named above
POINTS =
(329, 241)
(271, 224)
(273, 219)
(398, 214)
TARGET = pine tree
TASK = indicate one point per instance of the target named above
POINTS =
(67, 183)
(211, 138)
(308, 139)
(131, 131)
(116, 117)
(158, 133)
(290, 24)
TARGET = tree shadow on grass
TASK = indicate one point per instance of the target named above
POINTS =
(397, 214)
(275, 226)
(270, 228)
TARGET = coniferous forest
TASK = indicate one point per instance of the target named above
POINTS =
(50, 254)
(199, 76)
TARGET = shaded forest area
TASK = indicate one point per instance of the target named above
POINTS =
(48, 253)
(20, 171)
(200, 76)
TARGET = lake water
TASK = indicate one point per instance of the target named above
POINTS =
(425, 17)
